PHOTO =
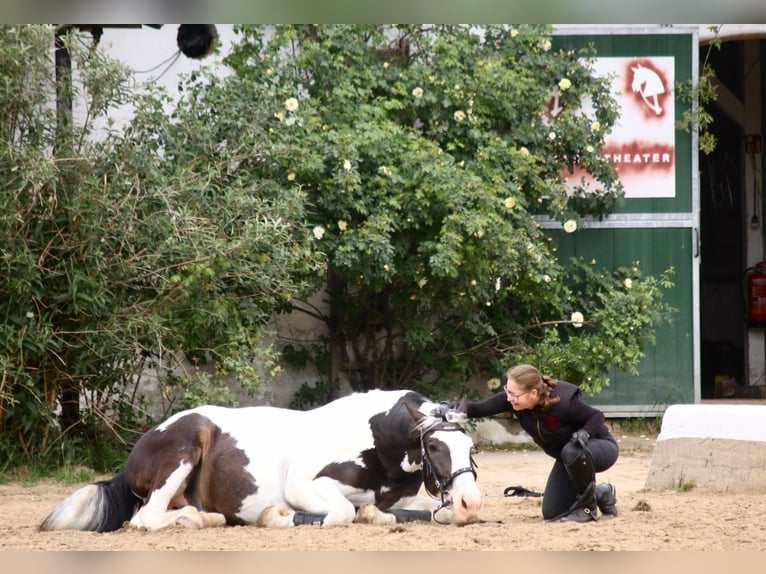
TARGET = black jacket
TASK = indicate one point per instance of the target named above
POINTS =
(550, 429)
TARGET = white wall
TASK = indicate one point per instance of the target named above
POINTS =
(151, 54)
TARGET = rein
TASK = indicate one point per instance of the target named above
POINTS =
(428, 468)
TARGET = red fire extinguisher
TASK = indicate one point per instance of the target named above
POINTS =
(756, 295)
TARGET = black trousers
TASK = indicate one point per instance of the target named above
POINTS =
(559, 492)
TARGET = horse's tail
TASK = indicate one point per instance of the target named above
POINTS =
(101, 507)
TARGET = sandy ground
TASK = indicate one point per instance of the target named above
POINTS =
(648, 519)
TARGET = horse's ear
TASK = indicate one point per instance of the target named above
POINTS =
(415, 414)
(462, 407)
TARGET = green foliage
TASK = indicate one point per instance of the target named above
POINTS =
(425, 153)
(697, 118)
(154, 250)
(314, 356)
(308, 396)
(620, 310)
(641, 425)
(512, 447)
(682, 484)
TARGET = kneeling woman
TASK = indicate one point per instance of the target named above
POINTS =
(567, 429)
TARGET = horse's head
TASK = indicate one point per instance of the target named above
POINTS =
(449, 470)
(639, 77)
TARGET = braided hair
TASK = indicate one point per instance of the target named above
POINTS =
(529, 378)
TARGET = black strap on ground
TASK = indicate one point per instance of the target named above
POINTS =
(521, 491)
(300, 517)
(406, 515)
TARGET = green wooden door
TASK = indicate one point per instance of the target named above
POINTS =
(658, 232)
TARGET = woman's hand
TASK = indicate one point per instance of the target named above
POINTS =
(581, 437)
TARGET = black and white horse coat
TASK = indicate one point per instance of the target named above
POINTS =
(352, 459)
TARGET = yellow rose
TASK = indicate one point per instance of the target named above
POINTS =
(493, 384)
(291, 104)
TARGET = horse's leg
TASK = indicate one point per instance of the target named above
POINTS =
(155, 514)
(276, 517)
(195, 519)
(320, 496)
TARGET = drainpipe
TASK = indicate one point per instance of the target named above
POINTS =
(68, 391)
(63, 85)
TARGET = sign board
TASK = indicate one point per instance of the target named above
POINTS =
(641, 145)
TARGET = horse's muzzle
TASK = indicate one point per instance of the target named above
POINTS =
(466, 501)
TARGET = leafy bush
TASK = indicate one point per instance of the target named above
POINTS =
(425, 154)
(128, 252)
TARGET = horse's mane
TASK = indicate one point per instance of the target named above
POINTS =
(427, 423)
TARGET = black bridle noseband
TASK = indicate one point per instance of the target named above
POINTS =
(429, 471)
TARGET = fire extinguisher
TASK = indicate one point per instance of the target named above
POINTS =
(756, 295)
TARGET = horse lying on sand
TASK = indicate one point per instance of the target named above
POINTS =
(361, 458)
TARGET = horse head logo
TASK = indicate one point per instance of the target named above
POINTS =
(649, 84)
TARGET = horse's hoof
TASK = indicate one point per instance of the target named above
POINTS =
(275, 517)
(213, 519)
(371, 514)
(191, 521)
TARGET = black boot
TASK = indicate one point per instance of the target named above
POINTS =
(606, 497)
(584, 508)
(580, 469)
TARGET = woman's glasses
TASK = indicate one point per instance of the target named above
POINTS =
(514, 396)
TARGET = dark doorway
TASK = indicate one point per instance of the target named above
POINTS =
(722, 266)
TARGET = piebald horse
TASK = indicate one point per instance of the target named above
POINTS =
(361, 458)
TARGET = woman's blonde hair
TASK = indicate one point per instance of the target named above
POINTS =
(529, 378)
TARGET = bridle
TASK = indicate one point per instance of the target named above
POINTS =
(429, 472)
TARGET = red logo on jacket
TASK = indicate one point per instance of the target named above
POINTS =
(551, 423)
